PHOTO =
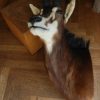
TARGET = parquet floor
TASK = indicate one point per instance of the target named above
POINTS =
(23, 76)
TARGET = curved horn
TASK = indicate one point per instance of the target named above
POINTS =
(34, 9)
(69, 10)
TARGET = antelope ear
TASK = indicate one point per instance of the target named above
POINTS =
(69, 10)
(34, 9)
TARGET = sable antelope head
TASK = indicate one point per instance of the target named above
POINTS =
(69, 65)
(46, 23)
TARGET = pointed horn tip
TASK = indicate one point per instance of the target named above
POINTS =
(30, 5)
(34, 9)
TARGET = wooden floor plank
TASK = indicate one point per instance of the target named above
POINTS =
(33, 98)
(97, 86)
(46, 98)
(4, 73)
(28, 82)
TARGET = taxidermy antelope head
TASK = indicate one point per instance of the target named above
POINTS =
(68, 59)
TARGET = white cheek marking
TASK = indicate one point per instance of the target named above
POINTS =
(47, 35)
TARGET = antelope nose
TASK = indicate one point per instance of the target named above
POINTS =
(35, 19)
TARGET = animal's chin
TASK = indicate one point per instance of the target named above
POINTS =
(39, 27)
(30, 25)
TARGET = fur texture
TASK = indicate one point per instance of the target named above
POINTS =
(68, 60)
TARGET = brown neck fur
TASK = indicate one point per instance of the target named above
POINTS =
(71, 70)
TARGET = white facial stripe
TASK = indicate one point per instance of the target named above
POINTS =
(52, 15)
(55, 9)
(54, 12)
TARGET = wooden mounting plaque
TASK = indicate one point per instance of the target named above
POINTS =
(16, 15)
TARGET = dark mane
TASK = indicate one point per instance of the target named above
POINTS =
(75, 42)
(78, 47)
